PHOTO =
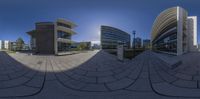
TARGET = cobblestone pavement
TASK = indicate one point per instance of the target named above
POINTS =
(93, 75)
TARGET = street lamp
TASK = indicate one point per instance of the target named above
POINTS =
(134, 32)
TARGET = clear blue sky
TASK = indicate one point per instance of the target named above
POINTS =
(18, 16)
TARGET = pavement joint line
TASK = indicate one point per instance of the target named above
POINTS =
(142, 66)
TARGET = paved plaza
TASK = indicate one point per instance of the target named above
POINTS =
(96, 75)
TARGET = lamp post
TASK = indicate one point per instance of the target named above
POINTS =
(134, 32)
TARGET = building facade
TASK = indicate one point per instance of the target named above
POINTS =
(173, 32)
(4, 45)
(137, 42)
(13, 46)
(52, 37)
(111, 37)
(1, 44)
(146, 43)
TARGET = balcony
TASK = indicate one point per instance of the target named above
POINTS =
(66, 22)
(64, 40)
(66, 30)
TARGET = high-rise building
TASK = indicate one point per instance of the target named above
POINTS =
(111, 37)
(52, 37)
(146, 43)
(173, 32)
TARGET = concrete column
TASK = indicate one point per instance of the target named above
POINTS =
(179, 31)
(55, 39)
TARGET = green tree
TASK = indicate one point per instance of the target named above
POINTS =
(82, 46)
(19, 43)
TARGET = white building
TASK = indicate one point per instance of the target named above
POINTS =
(1, 45)
(4, 45)
(192, 33)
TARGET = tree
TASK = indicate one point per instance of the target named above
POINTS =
(19, 43)
(82, 46)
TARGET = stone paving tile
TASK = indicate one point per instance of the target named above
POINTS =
(84, 78)
(18, 91)
(183, 76)
(36, 82)
(99, 74)
(167, 89)
(144, 74)
(120, 84)
(95, 87)
(167, 77)
(123, 74)
(185, 83)
(89, 76)
(155, 78)
(4, 77)
(196, 77)
(14, 82)
(141, 85)
(106, 79)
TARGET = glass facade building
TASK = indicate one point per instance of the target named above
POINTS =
(171, 32)
(111, 37)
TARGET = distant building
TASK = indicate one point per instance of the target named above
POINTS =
(13, 46)
(146, 43)
(52, 37)
(138, 42)
(1, 45)
(111, 37)
(96, 46)
(4, 44)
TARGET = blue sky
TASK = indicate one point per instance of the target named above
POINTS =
(18, 16)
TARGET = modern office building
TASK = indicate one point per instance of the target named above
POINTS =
(137, 42)
(173, 32)
(4, 44)
(111, 37)
(146, 43)
(52, 37)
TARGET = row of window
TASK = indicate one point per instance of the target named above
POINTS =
(64, 35)
(115, 37)
(63, 46)
(167, 44)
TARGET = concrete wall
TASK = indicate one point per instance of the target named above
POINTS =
(45, 42)
(44, 39)
(179, 31)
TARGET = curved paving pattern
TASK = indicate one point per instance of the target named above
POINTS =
(92, 75)
(166, 81)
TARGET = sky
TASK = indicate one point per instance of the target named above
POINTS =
(19, 16)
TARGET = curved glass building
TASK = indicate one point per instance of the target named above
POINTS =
(173, 32)
(111, 37)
